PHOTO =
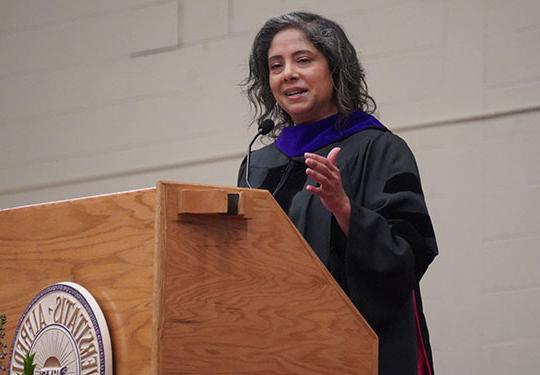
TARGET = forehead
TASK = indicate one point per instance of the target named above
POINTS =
(290, 41)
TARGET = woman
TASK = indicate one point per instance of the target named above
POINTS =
(350, 186)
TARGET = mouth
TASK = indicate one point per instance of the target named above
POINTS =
(294, 93)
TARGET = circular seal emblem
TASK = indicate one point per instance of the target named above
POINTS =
(67, 331)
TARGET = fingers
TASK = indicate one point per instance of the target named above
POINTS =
(325, 172)
(317, 158)
(324, 166)
(317, 190)
(317, 176)
(331, 157)
(320, 168)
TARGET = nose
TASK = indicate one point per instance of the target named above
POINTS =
(289, 72)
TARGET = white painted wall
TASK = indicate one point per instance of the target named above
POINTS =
(109, 95)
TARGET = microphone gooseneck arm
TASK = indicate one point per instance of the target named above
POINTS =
(264, 128)
(248, 158)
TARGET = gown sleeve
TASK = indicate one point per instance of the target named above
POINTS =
(390, 241)
(241, 179)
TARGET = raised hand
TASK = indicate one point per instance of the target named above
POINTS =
(329, 189)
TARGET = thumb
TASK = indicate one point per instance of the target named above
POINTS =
(333, 154)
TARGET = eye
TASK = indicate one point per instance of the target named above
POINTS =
(275, 66)
(303, 60)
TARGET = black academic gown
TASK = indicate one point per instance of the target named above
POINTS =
(390, 242)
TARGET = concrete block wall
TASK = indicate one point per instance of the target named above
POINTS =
(111, 95)
(482, 293)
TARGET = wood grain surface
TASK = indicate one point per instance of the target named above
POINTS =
(104, 243)
(189, 294)
(246, 295)
(202, 201)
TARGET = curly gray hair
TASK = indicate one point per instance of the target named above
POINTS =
(348, 76)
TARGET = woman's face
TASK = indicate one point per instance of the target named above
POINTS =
(299, 77)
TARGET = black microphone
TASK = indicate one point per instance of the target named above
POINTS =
(265, 127)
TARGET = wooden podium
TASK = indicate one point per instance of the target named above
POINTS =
(192, 279)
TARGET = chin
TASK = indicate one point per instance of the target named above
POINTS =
(301, 116)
